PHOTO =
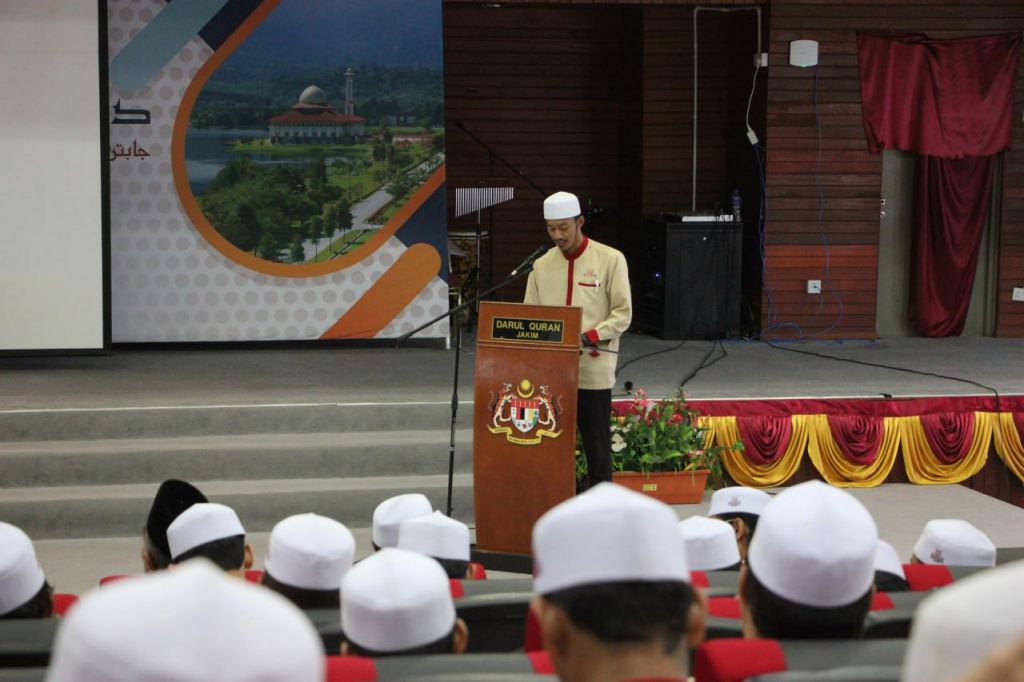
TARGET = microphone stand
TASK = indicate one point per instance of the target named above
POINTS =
(454, 315)
(496, 156)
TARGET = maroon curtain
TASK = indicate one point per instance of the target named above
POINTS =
(948, 100)
(952, 202)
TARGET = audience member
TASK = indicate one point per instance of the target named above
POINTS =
(740, 507)
(953, 542)
(172, 498)
(960, 625)
(613, 598)
(811, 567)
(710, 544)
(889, 575)
(398, 603)
(192, 624)
(24, 592)
(212, 531)
(389, 514)
(307, 557)
(440, 537)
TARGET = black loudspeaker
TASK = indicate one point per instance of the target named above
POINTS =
(688, 282)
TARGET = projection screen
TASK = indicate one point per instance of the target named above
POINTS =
(52, 225)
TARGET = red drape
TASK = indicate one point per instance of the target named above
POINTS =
(764, 438)
(945, 98)
(950, 434)
(952, 203)
(858, 437)
(950, 101)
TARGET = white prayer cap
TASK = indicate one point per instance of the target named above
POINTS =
(710, 543)
(310, 551)
(815, 545)
(435, 535)
(191, 624)
(201, 523)
(888, 559)
(957, 626)
(608, 534)
(738, 500)
(396, 600)
(561, 205)
(389, 514)
(21, 577)
(954, 542)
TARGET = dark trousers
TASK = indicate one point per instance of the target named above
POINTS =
(593, 414)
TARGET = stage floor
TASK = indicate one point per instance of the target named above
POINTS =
(312, 375)
(45, 389)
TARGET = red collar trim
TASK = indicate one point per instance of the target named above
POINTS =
(579, 251)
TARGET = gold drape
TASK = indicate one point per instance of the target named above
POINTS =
(925, 468)
(1008, 444)
(829, 460)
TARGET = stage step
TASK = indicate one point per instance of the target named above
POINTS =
(79, 473)
(120, 510)
(225, 420)
(240, 457)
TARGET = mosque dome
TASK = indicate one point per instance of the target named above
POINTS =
(313, 95)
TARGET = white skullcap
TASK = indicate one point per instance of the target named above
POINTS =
(738, 500)
(201, 523)
(561, 205)
(389, 514)
(396, 600)
(710, 543)
(608, 534)
(954, 542)
(888, 560)
(192, 624)
(311, 552)
(815, 545)
(435, 535)
(957, 626)
(21, 577)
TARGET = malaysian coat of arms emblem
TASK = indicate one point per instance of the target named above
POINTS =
(526, 415)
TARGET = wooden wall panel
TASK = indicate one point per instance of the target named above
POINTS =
(555, 91)
(824, 186)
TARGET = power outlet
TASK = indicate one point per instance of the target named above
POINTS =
(761, 60)
(1018, 294)
(814, 286)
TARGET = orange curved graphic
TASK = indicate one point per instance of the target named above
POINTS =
(210, 233)
(389, 295)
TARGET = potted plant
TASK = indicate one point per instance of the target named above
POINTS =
(658, 448)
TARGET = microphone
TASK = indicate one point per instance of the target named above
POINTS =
(527, 264)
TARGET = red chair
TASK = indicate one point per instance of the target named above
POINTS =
(699, 579)
(107, 579)
(923, 577)
(477, 571)
(254, 576)
(62, 602)
(881, 602)
(455, 586)
(531, 638)
(724, 607)
(541, 663)
(350, 669)
(734, 660)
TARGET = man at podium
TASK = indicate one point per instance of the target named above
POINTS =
(592, 276)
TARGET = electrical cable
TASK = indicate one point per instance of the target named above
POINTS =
(879, 365)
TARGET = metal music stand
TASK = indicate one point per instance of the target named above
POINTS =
(476, 199)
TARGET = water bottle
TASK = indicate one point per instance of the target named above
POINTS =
(735, 206)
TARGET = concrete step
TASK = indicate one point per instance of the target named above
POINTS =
(120, 510)
(239, 457)
(103, 423)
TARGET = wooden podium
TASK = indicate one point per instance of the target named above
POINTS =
(524, 419)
